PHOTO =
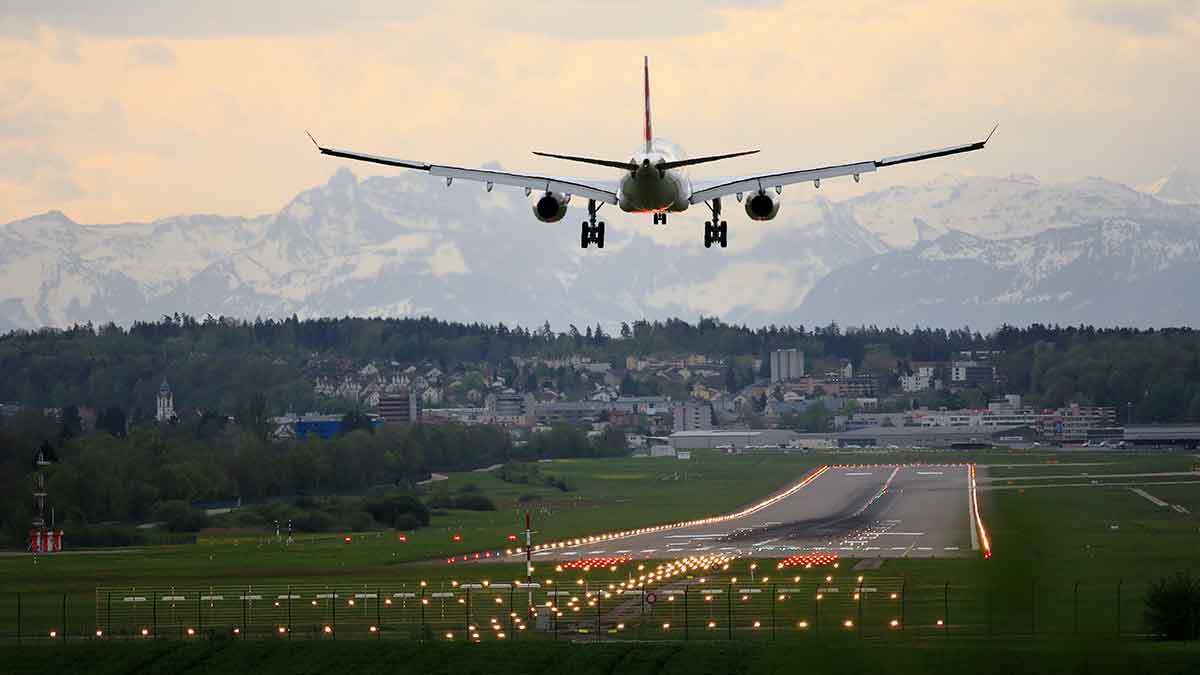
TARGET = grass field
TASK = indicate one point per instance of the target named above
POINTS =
(364, 658)
(1045, 541)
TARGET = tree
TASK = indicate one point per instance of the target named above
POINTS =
(112, 420)
(1173, 607)
(355, 420)
(72, 424)
(253, 418)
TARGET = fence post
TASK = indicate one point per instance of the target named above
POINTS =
(333, 603)
(422, 601)
(243, 630)
(64, 617)
(946, 608)
(903, 599)
(773, 599)
(729, 611)
(468, 614)
(685, 613)
(18, 618)
(108, 614)
(861, 599)
(599, 596)
(289, 623)
(1075, 606)
(989, 610)
(378, 607)
(1033, 608)
(154, 612)
(200, 616)
(512, 609)
(1119, 582)
(817, 609)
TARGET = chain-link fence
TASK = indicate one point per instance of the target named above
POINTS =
(785, 607)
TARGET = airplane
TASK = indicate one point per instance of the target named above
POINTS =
(654, 180)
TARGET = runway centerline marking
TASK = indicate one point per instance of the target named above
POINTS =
(858, 473)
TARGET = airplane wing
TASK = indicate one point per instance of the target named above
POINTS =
(529, 182)
(776, 180)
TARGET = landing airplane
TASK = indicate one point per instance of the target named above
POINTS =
(654, 180)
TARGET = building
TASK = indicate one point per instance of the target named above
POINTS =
(313, 424)
(569, 412)
(1163, 435)
(786, 365)
(972, 374)
(166, 403)
(399, 408)
(939, 437)
(744, 438)
(692, 415)
(509, 407)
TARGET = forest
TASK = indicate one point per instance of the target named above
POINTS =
(218, 364)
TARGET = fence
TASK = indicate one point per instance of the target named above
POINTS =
(787, 607)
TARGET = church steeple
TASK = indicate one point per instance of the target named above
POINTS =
(166, 403)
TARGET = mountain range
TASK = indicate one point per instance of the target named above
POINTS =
(958, 250)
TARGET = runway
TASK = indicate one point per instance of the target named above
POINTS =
(853, 511)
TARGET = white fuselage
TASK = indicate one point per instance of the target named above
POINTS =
(648, 189)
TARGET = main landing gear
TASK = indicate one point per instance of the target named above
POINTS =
(716, 230)
(659, 219)
(593, 232)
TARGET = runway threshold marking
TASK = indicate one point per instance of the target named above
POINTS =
(858, 473)
(1149, 497)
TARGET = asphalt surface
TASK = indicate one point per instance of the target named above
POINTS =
(861, 512)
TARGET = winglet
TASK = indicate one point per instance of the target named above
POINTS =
(989, 136)
(314, 141)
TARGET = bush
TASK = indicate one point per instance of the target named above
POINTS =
(179, 516)
(467, 502)
(394, 508)
(1173, 607)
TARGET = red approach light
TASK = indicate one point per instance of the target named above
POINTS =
(457, 537)
(809, 559)
(347, 539)
(402, 538)
(590, 563)
(512, 537)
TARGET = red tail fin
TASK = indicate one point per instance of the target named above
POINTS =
(646, 80)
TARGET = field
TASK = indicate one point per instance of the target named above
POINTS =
(728, 658)
(1068, 561)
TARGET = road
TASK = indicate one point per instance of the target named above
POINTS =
(863, 511)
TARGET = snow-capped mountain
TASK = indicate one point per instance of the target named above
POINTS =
(1181, 186)
(1000, 208)
(407, 244)
(1116, 271)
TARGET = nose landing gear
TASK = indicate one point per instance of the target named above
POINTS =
(659, 219)
(716, 231)
(592, 232)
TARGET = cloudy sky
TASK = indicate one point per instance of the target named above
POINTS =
(172, 106)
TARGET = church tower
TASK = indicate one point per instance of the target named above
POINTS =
(166, 403)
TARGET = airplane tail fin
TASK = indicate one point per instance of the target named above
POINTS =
(646, 87)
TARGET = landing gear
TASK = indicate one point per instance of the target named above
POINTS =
(716, 230)
(592, 232)
(659, 219)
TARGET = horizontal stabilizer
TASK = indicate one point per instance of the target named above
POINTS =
(628, 166)
(702, 160)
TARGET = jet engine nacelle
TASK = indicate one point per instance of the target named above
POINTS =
(762, 206)
(551, 207)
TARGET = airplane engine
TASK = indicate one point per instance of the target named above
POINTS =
(551, 207)
(762, 206)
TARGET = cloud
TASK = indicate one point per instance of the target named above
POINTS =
(212, 18)
(151, 54)
(1139, 16)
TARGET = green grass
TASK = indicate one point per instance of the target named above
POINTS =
(1045, 540)
(364, 657)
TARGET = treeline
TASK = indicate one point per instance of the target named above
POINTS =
(147, 473)
(221, 365)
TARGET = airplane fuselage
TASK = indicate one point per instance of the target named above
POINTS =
(650, 190)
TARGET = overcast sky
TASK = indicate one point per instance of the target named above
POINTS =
(172, 106)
